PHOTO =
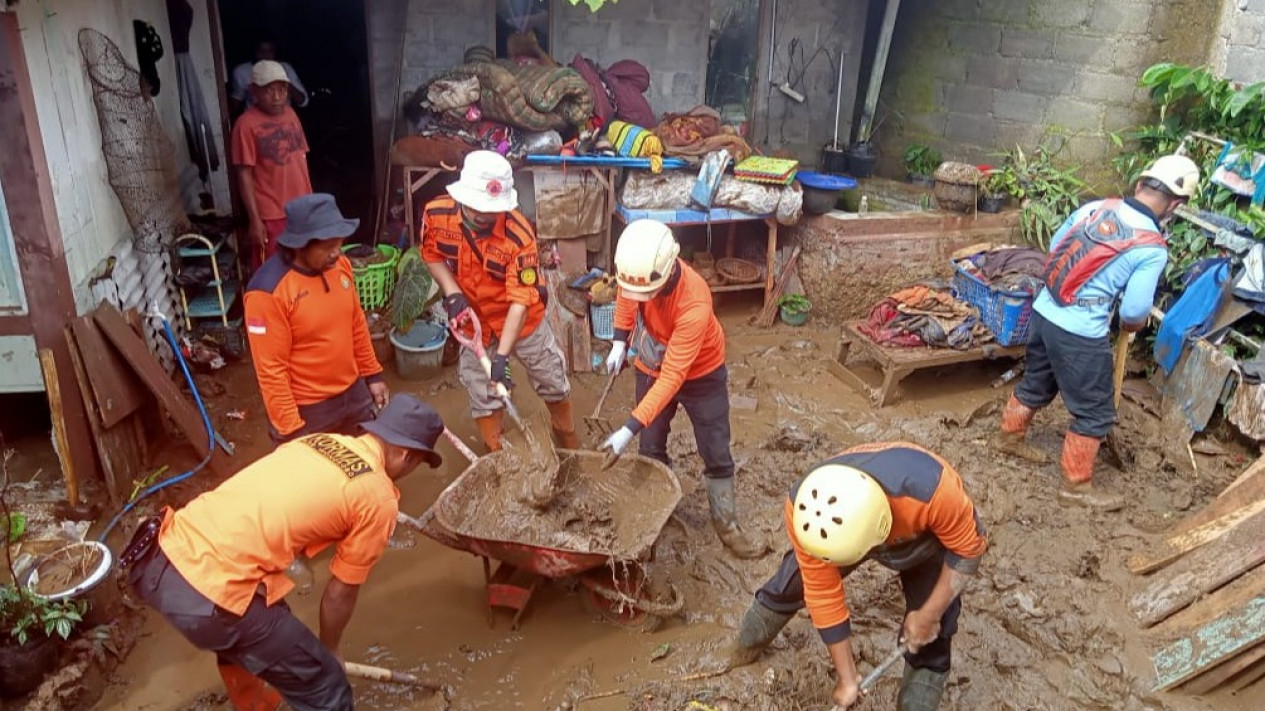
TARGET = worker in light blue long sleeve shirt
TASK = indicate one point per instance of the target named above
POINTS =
(1108, 254)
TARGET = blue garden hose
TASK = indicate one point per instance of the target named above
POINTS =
(206, 420)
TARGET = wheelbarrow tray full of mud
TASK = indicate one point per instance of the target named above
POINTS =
(601, 527)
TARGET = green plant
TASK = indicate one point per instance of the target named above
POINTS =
(1047, 193)
(17, 526)
(1001, 182)
(795, 303)
(921, 160)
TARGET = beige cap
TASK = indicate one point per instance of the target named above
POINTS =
(266, 72)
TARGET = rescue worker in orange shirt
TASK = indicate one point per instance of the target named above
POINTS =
(482, 253)
(902, 507)
(215, 569)
(308, 336)
(666, 307)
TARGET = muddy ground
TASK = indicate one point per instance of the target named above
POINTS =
(1045, 624)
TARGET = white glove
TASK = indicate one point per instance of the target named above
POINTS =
(616, 442)
(615, 361)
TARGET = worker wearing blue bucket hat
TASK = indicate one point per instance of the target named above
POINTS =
(309, 339)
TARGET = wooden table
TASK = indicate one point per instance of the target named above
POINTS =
(897, 363)
(718, 216)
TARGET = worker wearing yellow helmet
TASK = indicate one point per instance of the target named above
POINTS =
(902, 507)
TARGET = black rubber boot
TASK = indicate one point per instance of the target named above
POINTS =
(724, 507)
(920, 689)
(759, 627)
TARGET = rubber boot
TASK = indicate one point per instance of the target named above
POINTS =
(1077, 462)
(1014, 428)
(724, 506)
(562, 424)
(248, 692)
(920, 689)
(759, 628)
(490, 428)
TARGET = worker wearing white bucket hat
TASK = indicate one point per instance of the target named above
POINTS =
(482, 252)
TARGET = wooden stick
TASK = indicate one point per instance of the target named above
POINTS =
(697, 676)
(1121, 360)
(765, 318)
(364, 671)
(1253, 469)
(48, 365)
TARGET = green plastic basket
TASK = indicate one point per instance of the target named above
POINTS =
(375, 282)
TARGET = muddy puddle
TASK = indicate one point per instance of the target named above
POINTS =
(1045, 624)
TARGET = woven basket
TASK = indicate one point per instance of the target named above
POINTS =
(737, 271)
(956, 186)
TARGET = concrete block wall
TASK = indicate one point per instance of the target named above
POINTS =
(437, 34)
(1238, 50)
(973, 77)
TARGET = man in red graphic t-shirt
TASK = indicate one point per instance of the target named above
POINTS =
(269, 154)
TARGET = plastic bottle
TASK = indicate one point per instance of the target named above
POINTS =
(864, 209)
(301, 574)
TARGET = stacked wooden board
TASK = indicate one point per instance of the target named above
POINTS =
(1209, 570)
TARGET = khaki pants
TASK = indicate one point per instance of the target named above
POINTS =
(541, 357)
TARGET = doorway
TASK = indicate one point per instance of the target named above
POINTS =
(327, 44)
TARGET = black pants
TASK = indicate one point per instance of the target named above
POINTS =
(706, 401)
(1078, 367)
(341, 414)
(267, 641)
(784, 593)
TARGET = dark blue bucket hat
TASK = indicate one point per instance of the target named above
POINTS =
(313, 217)
(409, 423)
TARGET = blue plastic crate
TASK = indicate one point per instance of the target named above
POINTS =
(603, 317)
(1005, 313)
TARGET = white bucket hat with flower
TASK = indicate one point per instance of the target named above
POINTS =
(486, 183)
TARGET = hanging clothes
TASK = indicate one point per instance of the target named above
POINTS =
(198, 130)
(1191, 316)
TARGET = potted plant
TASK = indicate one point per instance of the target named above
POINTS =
(999, 184)
(920, 162)
(794, 309)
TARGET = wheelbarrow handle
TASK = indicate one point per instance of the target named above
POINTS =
(461, 447)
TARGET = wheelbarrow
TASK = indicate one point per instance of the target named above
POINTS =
(480, 514)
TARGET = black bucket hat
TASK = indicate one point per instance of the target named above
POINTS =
(313, 217)
(409, 423)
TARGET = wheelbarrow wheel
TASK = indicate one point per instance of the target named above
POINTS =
(629, 604)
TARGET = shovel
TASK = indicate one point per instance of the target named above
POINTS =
(364, 671)
(595, 423)
(474, 343)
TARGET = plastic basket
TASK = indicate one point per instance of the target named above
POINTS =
(1004, 312)
(603, 317)
(374, 283)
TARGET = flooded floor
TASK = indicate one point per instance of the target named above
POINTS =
(1045, 624)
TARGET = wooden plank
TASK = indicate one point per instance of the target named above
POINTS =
(1247, 678)
(1219, 640)
(1220, 674)
(1201, 572)
(919, 358)
(115, 389)
(185, 415)
(1247, 492)
(1253, 470)
(57, 411)
(1181, 544)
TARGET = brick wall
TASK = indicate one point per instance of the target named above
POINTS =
(1238, 50)
(973, 77)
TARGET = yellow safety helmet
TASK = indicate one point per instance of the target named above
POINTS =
(840, 513)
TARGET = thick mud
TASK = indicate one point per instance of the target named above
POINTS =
(1044, 626)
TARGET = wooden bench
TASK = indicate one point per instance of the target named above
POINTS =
(897, 363)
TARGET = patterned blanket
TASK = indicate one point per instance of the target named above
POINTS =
(530, 97)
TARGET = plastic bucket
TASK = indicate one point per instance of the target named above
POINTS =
(419, 354)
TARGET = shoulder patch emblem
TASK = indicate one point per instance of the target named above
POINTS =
(346, 282)
(527, 277)
(338, 453)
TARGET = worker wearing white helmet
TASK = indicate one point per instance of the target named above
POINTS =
(665, 307)
(902, 507)
(1108, 254)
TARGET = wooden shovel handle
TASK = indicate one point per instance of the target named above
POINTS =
(364, 671)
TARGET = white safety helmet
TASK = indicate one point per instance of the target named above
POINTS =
(1177, 173)
(840, 513)
(644, 258)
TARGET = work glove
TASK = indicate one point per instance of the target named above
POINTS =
(454, 304)
(615, 361)
(618, 441)
(501, 371)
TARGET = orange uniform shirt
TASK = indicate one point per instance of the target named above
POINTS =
(275, 149)
(681, 318)
(308, 337)
(493, 271)
(927, 498)
(316, 491)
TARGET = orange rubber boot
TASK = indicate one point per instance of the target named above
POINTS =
(1014, 428)
(1077, 463)
(248, 692)
(490, 428)
(563, 424)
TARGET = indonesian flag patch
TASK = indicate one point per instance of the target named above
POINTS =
(256, 326)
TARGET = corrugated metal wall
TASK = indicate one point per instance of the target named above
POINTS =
(139, 280)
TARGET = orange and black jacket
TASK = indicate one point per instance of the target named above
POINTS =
(930, 512)
(493, 270)
(680, 317)
(308, 337)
